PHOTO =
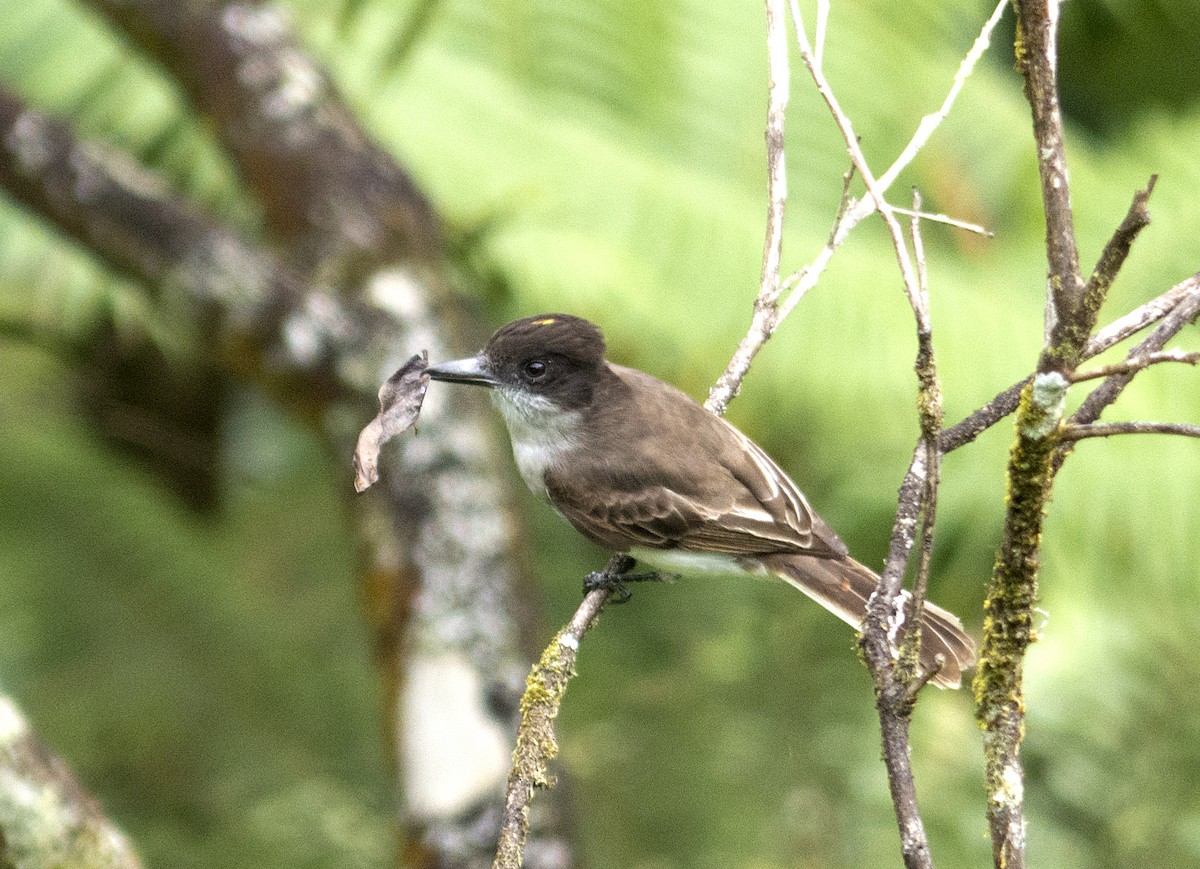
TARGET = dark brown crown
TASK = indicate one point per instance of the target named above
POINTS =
(555, 355)
(571, 338)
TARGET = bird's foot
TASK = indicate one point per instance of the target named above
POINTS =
(615, 576)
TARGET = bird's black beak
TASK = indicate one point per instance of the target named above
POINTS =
(472, 370)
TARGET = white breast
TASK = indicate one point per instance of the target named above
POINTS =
(542, 434)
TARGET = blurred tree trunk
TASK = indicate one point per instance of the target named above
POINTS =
(349, 281)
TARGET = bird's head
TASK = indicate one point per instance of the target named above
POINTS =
(547, 360)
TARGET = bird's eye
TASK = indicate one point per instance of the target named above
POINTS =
(535, 369)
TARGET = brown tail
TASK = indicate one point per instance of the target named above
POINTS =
(843, 586)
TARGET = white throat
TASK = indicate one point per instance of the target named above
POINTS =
(541, 432)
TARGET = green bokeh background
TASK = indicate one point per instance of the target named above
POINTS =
(209, 675)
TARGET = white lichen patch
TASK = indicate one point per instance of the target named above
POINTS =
(37, 825)
(297, 88)
(29, 141)
(1049, 397)
(1012, 787)
(224, 270)
(896, 622)
(455, 751)
(289, 84)
(258, 25)
(12, 723)
(397, 292)
(312, 328)
(99, 168)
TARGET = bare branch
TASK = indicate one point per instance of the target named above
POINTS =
(1117, 250)
(1133, 364)
(931, 122)
(844, 124)
(765, 316)
(972, 426)
(1037, 32)
(819, 31)
(1104, 430)
(850, 213)
(799, 283)
(946, 219)
(1146, 315)
(1185, 311)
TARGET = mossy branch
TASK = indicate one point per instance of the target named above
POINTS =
(536, 742)
(1072, 310)
(1008, 609)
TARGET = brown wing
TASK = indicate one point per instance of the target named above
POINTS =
(724, 496)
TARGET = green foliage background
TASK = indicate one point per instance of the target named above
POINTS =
(209, 675)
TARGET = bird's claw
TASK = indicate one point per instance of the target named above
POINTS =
(616, 583)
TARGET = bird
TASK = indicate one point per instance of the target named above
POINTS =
(640, 468)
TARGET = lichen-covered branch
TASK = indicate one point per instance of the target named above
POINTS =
(46, 816)
(1008, 614)
(536, 742)
(1072, 309)
(897, 678)
(126, 217)
(894, 693)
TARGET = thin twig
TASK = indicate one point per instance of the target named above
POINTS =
(946, 219)
(819, 31)
(893, 680)
(842, 120)
(1134, 364)
(851, 212)
(929, 402)
(800, 282)
(925, 676)
(1139, 318)
(1186, 311)
(931, 122)
(1104, 430)
(1116, 251)
(765, 317)
(977, 422)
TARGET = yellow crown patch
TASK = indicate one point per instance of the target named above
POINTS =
(549, 321)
